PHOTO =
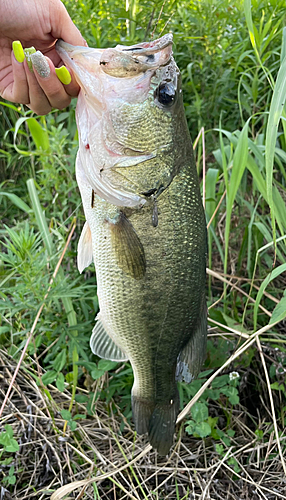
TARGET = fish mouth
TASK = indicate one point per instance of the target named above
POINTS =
(114, 81)
(150, 47)
(121, 61)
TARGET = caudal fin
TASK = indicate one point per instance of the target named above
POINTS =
(162, 426)
(142, 410)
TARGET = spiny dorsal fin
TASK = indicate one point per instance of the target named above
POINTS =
(128, 247)
(191, 358)
(84, 248)
(102, 344)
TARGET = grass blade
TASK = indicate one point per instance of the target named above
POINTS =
(40, 217)
(271, 276)
(17, 201)
(275, 113)
(47, 239)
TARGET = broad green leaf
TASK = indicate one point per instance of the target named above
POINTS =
(200, 412)
(190, 427)
(239, 163)
(283, 45)
(9, 430)
(257, 176)
(220, 381)
(232, 394)
(279, 312)
(231, 432)
(6, 439)
(17, 201)
(79, 416)
(211, 179)
(106, 364)
(97, 373)
(66, 415)
(60, 382)
(89, 365)
(275, 113)
(213, 394)
(60, 361)
(203, 429)
(271, 276)
(277, 387)
(13, 446)
(40, 135)
(49, 377)
(72, 424)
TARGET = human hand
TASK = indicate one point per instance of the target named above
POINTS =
(37, 23)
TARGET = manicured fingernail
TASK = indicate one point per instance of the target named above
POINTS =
(18, 51)
(28, 52)
(40, 64)
(63, 75)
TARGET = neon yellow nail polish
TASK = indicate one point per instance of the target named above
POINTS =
(28, 52)
(63, 75)
(18, 51)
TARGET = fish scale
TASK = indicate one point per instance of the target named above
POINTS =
(147, 232)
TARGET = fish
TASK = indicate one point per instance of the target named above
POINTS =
(145, 225)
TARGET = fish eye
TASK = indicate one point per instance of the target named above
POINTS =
(165, 94)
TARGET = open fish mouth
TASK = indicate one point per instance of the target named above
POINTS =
(121, 61)
(118, 84)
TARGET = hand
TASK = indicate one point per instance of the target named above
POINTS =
(37, 23)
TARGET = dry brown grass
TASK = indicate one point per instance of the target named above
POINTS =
(97, 461)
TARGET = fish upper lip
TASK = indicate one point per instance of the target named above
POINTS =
(62, 46)
(141, 49)
(146, 48)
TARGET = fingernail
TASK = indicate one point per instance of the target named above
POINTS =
(40, 64)
(28, 52)
(18, 51)
(63, 75)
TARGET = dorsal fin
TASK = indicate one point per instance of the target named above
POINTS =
(103, 345)
(84, 248)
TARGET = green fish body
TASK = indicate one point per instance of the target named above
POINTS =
(145, 224)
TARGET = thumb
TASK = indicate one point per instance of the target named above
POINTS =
(62, 25)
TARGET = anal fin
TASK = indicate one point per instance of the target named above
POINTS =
(103, 345)
(84, 248)
(191, 358)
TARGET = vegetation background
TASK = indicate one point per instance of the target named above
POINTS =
(68, 416)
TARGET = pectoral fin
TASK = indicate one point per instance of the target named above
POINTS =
(103, 345)
(191, 358)
(84, 249)
(128, 248)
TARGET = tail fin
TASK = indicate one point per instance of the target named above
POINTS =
(142, 410)
(162, 425)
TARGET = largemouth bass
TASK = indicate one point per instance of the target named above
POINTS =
(145, 224)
